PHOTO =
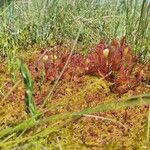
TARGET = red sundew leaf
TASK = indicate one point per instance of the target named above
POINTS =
(92, 63)
(128, 85)
(127, 55)
(77, 61)
(115, 60)
(123, 42)
(51, 71)
(122, 89)
(114, 44)
(101, 45)
(48, 65)
(103, 61)
(124, 74)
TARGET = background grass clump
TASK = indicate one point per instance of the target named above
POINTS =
(27, 22)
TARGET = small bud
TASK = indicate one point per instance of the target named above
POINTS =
(126, 50)
(45, 58)
(87, 68)
(142, 72)
(106, 52)
(87, 61)
(54, 57)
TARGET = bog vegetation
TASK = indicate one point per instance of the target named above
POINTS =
(75, 74)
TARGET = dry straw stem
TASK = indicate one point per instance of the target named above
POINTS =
(11, 90)
(106, 119)
(148, 126)
(1, 93)
(64, 68)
